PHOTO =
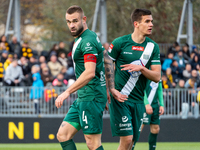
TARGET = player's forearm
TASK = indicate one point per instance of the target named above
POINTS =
(83, 79)
(153, 75)
(109, 70)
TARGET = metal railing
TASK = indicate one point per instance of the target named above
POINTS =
(16, 102)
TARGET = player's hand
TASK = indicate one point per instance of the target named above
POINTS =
(106, 108)
(161, 110)
(61, 98)
(131, 67)
(149, 109)
(108, 96)
(118, 96)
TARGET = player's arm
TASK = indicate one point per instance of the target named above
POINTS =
(109, 71)
(148, 107)
(160, 97)
(83, 79)
(154, 74)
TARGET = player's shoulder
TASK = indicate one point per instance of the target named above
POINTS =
(121, 39)
(89, 36)
(152, 41)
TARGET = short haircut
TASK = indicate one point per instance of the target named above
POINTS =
(75, 8)
(138, 13)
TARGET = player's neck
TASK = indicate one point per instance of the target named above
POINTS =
(138, 38)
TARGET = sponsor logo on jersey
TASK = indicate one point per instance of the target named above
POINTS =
(124, 119)
(88, 48)
(128, 53)
(137, 48)
(110, 48)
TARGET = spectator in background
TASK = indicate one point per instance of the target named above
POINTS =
(4, 56)
(8, 61)
(180, 59)
(2, 47)
(23, 63)
(1, 73)
(106, 46)
(61, 48)
(59, 81)
(177, 72)
(165, 82)
(170, 77)
(181, 96)
(53, 49)
(70, 69)
(186, 52)
(46, 76)
(37, 88)
(174, 48)
(54, 66)
(62, 59)
(195, 62)
(13, 75)
(191, 85)
(15, 47)
(32, 61)
(187, 72)
(4, 40)
(194, 49)
(42, 59)
(26, 51)
(167, 62)
(194, 74)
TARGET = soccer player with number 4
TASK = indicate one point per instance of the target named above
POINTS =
(137, 58)
(86, 112)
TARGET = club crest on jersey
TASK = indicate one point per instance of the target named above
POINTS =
(110, 48)
(137, 48)
(88, 44)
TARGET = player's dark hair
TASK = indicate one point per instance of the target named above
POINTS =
(138, 13)
(75, 8)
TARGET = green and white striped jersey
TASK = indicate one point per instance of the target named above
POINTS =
(124, 50)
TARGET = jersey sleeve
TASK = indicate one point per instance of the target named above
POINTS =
(156, 56)
(160, 94)
(114, 49)
(146, 102)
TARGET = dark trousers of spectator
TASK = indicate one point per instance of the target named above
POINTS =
(37, 106)
(10, 83)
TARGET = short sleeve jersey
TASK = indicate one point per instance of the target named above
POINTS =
(89, 43)
(152, 91)
(124, 50)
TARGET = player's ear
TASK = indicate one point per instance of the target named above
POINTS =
(135, 24)
(84, 19)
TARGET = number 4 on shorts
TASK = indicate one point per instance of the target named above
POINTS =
(84, 117)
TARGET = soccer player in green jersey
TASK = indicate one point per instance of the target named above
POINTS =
(87, 110)
(153, 111)
(137, 58)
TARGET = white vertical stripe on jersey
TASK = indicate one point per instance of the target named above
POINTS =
(128, 87)
(74, 49)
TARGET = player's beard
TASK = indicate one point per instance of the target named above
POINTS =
(75, 34)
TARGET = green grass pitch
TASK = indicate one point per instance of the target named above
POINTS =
(107, 146)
